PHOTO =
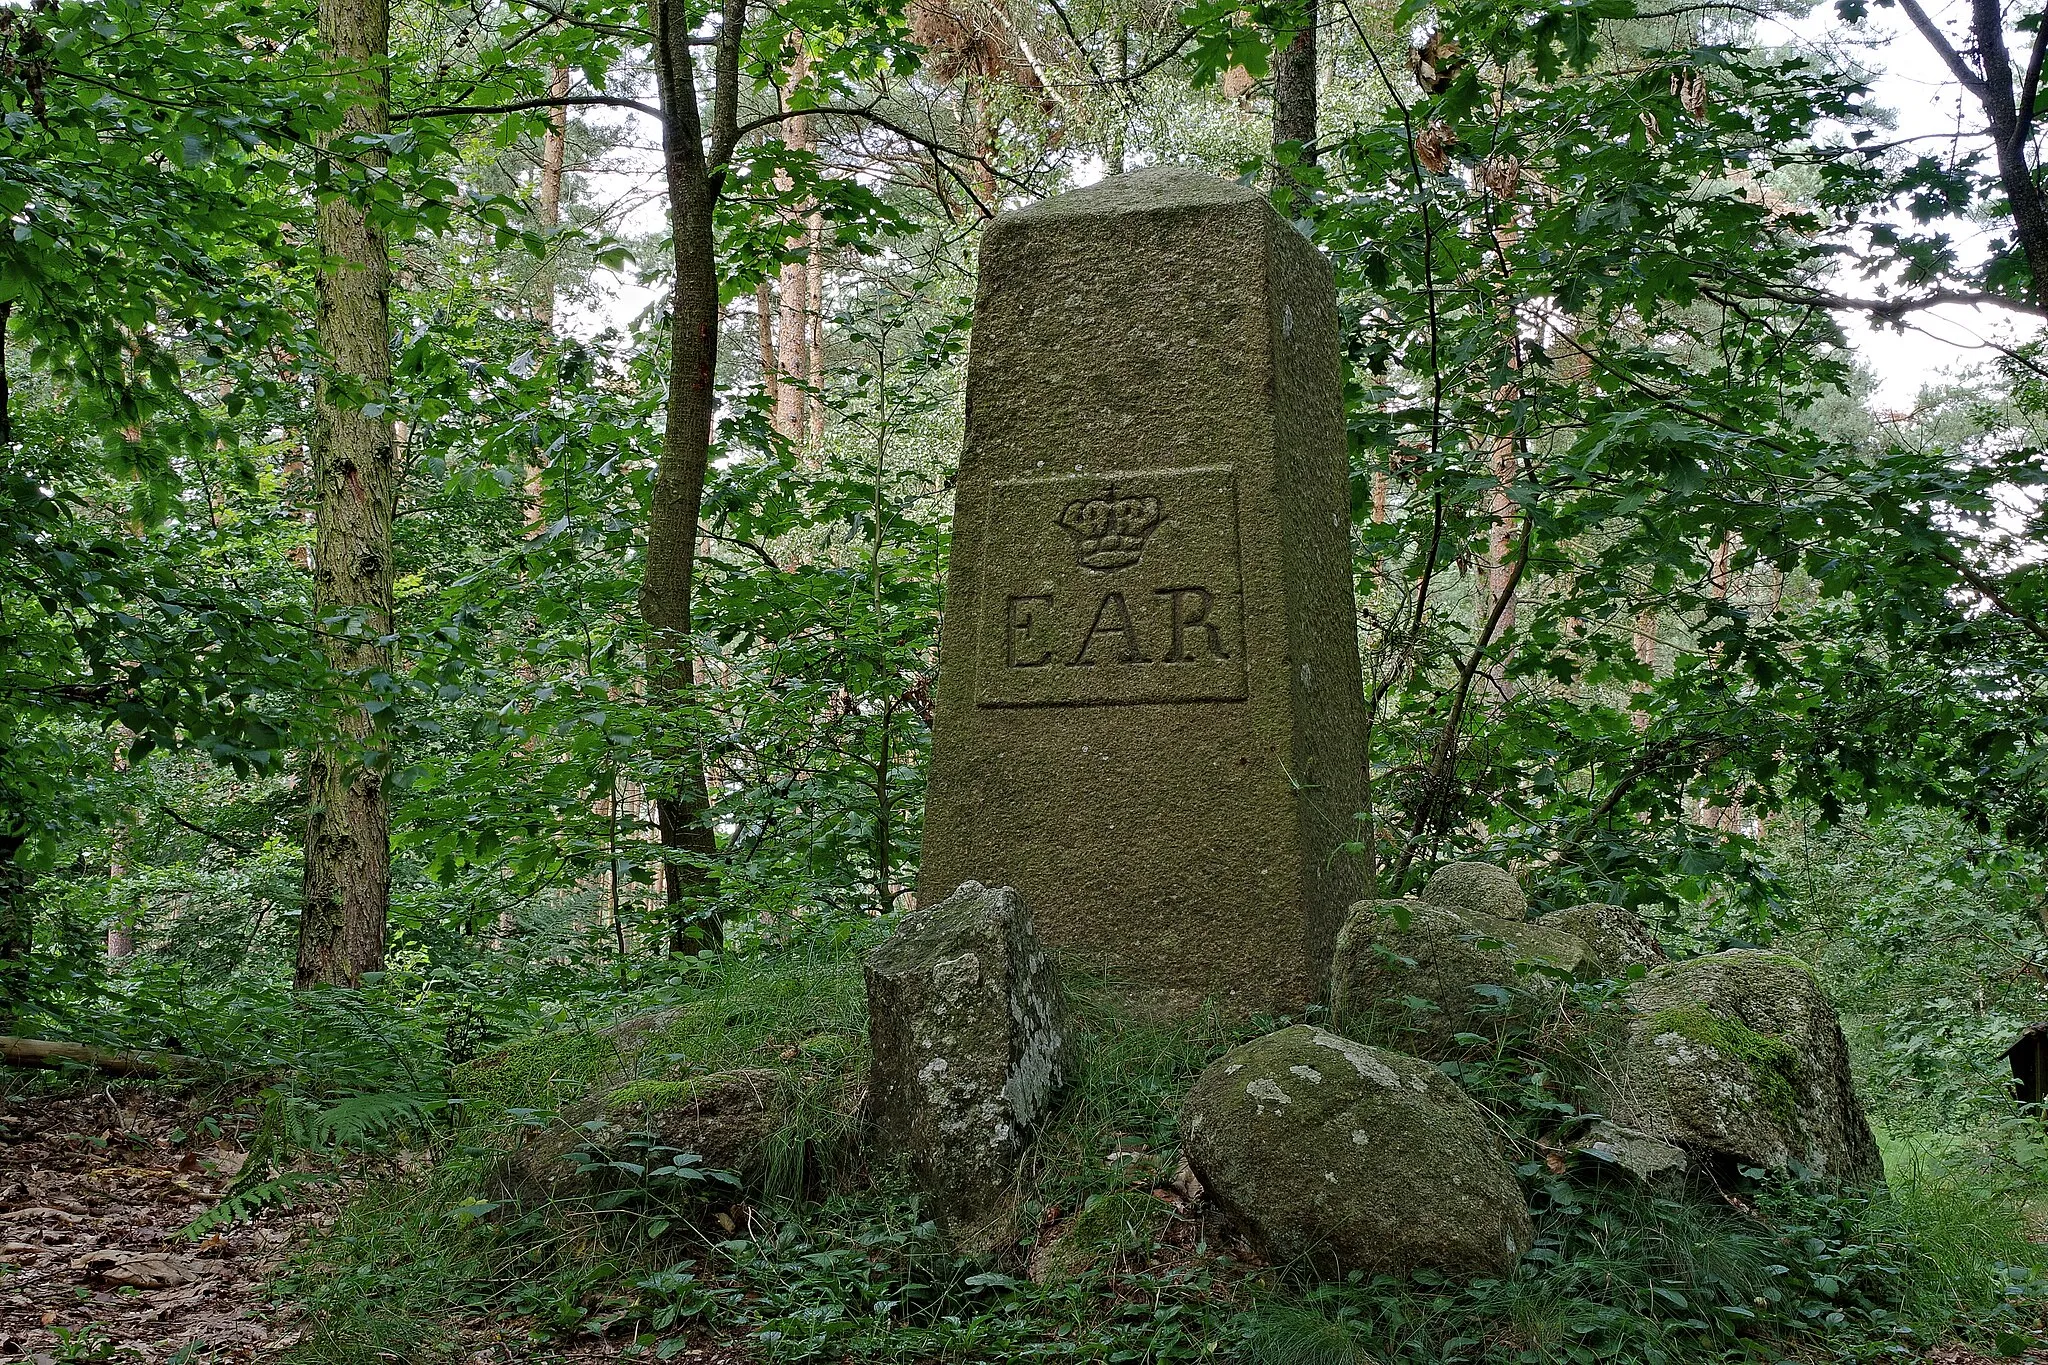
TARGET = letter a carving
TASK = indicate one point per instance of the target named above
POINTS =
(1111, 618)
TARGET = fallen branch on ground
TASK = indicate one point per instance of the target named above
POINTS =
(38, 1052)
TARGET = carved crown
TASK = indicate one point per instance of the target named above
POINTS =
(1109, 529)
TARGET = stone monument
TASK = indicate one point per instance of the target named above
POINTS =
(1149, 714)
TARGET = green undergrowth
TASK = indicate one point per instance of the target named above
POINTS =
(422, 1269)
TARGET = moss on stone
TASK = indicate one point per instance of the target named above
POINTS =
(1107, 1227)
(1771, 1060)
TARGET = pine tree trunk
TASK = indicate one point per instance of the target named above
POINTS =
(814, 290)
(681, 799)
(347, 882)
(764, 322)
(1295, 73)
(554, 156)
(794, 350)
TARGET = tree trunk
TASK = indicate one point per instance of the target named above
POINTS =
(667, 582)
(347, 882)
(554, 155)
(764, 321)
(1295, 73)
(1119, 128)
(17, 928)
(1644, 642)
(814, 290)
(794, 348)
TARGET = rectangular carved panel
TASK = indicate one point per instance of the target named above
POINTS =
(1108, 589)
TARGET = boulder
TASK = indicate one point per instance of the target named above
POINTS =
(1348, 1157)
(1617, 938)
(970, 1047)
(1632, 1152)
(674, 1081)
(1412, 975)
(1477, 886)
(1739, 1058)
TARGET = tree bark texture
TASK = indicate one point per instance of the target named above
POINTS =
(17, 926)
(814, 295)
(347, 883)
(1295, 73)
(764, 322)
(793, 347)
(554, 156)
(693, 175)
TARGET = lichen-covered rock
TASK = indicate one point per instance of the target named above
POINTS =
(970, 1046)
(1413, 976)
(1328, 1151)
(1646, 1158)
(1477, 886)
(1739, 1059)
(1617, 938)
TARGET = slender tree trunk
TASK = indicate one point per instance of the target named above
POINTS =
(1724, 559)
(1119, 128)
(1644, 642)
(764, 321)
(347, 882)
(554, 156)
(6, 409)
(1295, 74)
(814, 291)
(793, 347)
(17, 929)
(681, 799)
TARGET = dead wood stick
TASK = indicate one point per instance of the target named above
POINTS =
(31, 1052)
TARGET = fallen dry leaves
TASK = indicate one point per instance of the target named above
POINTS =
(93, 1192)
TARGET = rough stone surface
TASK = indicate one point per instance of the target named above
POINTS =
(970, 1044)
(1148, 710)
(1617, 938)
(1477, 886)
(1411, 975)
(1635, 1153)
(1739, 1059)
(1328, 1151)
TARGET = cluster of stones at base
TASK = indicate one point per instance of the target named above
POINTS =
(1348, 1147)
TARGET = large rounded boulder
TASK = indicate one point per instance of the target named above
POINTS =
(1424, 978)
(1482, 887)
(1616, 938)
(1738, 1057)
(1343, 1156)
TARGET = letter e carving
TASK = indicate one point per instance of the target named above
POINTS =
(1021, 624)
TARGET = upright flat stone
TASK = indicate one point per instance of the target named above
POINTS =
(1149, 712)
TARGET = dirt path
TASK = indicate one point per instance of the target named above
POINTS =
(94, 1188)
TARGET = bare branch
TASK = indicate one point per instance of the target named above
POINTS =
(1938, 40)
(516, 106)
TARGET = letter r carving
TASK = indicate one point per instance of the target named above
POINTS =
(1180, 618)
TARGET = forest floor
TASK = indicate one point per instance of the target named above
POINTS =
(96, 1187)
